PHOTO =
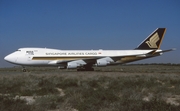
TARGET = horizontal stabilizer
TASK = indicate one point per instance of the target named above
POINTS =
(169, 50)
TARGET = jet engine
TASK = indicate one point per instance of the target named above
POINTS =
(72, 65)
(101, 63)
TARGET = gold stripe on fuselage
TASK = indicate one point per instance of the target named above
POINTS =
(59, 58)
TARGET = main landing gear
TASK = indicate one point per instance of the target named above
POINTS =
(85, 69)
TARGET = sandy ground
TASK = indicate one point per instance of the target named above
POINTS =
(114, 72)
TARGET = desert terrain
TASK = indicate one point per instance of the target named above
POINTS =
(140, 87)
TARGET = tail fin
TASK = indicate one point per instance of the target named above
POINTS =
(154, 40)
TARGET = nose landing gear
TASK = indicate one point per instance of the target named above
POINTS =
(24, 69)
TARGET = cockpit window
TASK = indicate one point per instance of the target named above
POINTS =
(29, 52)
(18, 50)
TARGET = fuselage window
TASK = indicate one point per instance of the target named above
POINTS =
(29, 52)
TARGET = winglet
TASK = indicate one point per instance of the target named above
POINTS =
(153, 41)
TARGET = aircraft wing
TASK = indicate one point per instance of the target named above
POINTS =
(55, 62)
(82, 61)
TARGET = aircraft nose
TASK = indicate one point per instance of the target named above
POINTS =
(9, 58)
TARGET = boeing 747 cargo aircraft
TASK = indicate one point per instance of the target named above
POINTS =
(85, 60)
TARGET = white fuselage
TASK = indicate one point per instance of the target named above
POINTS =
(84, 60)
(45, 56)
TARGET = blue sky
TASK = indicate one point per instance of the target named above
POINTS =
(88, 24)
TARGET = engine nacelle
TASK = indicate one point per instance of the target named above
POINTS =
(72, 65)
(101, 63)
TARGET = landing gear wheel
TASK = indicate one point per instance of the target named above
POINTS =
(24, 70)
(85, 69)
(90, 69)
(80, 69)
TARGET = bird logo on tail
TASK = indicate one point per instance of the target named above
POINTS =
(153, 40)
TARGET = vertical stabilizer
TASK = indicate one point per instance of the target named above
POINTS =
(153, 41)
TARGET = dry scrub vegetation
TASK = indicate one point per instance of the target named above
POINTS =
(122, 88)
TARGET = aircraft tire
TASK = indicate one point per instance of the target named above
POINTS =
(24, 70)
(90, 69)
(86, 69)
